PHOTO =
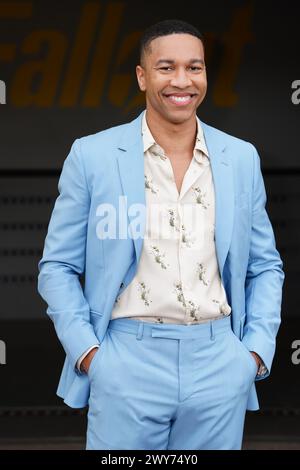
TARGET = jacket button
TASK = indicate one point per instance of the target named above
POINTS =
(122, 284)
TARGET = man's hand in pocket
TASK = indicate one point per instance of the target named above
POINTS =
(84, 367)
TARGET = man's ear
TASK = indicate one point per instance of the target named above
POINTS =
(140, 75)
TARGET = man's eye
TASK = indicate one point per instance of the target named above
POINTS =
(196, 69)
(192, 68)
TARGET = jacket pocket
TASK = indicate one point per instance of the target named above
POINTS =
(96, 319)
(93, 362)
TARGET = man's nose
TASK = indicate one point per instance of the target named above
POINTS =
(181, 78)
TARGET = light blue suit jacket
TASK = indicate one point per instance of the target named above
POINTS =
(104, 166)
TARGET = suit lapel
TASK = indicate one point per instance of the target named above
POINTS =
(131, 169)
(222, 172)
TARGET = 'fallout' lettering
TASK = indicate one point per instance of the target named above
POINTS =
(96, 66)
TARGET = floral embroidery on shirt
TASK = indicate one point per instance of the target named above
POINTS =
(173, 220)
(162, 156)
(224, 308)
(192, 310)
(200, 197)
(201, 273)
(179, 293)
(185, 237)
(144, 293)
(158, 256)
(149, 185)
(158, 152)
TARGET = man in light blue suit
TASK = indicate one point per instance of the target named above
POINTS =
(175, 380)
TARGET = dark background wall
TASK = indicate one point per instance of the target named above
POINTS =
(69, 70)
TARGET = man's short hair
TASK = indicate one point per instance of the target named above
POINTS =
(164, 28)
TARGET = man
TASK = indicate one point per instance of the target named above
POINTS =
(166, 218)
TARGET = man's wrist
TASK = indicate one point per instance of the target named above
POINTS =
(78, 363)
(257, 358)
(261, 368)
(85, 364)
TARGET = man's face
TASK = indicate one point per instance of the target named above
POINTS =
(173, 76)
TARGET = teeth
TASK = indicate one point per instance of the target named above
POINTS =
(180, 99)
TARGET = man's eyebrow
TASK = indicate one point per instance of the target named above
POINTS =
(193, 61)
(169, 61)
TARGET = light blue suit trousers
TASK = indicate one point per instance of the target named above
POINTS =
(169, 387)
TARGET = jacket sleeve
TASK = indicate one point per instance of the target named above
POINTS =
(264, 278)
(63, 260)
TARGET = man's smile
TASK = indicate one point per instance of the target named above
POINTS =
(179, 99)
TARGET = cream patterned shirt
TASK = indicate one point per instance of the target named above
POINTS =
(177, 279)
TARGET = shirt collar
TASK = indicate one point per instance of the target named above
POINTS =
(148, 139)
(200, 140)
